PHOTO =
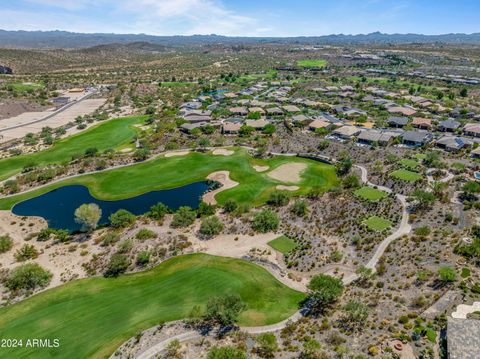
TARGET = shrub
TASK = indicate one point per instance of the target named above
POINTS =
(122, 218)
(125, 247)
(230, 206)
(143, 258)
(145, 233)
(299, 208)
(211, 226)
(28, 277)
(118, 264)
(265, 221)
(267, 345)
(422, 231)
(109, 239)
(447, 274)
(228, 352)
(6, 243)
(184, 217)
(27, 251)
(205, 209)
(278, 199)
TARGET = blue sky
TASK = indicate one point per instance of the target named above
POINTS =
(243, 17)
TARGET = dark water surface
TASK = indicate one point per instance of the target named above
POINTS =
(58, 206)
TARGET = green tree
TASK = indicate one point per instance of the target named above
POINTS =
(351, 182)
(122, 218)
(205, 209)
(183, 217)
(224, 310)
(464, 92)
(447, 274)
(269, 129)
(211, 226)
(344, 166)
(227, 352)
(88, 215)
(265, 221)
(141, 154)
(158, 211)
(28, 277)
(424, 198)
(246, 130)
(324, 290)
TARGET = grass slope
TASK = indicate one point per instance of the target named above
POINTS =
(370, 194)
(92, 317)
(164, 173)
(283, 244)
(107, 135)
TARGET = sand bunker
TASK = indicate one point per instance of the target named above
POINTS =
(177, 153)
(289, 172)
(223, 152)
(287, 188)
(260, 168)
(224, 178)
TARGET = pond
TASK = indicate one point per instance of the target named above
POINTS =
(58, 206)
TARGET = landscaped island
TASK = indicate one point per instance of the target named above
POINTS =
(92, 317)
(170, 172)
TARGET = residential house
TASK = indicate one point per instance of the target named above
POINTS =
(449, 125)
(397, 122)
(472, 129)
(256, 109)
(453, 143)
(291, 108)
(189, 127)
(300, 119)
(422, 123)
(320, 124)
(405, 111)
(346, 132)
(475, 153)
(256, 124)
(372, 137)
(191, 106)
(274, 111)
(240, 111)
(416, 138)
(61, 100)
(231, 127)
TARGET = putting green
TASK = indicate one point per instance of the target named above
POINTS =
(92, 317)
(164, 173)
(406, 175)
(110, 134)
(283, 244)
(370, 194)
(377, 223)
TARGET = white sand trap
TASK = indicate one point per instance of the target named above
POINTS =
(223, 152)
(287, 188)
(289, 172)
(126, 150)
(261, 168)
(177, 153)
(224, 178)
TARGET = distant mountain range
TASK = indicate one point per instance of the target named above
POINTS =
(71, 40)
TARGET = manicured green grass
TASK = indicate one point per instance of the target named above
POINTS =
(24, 87)
(92, 317)
(178, 84)
(406, 175)
(271, 74)
(377, 223)
(110, 134)
(420, 156)
(312, 63)
(283, 244)
(165, 173)
(370, 194)
(410, 164)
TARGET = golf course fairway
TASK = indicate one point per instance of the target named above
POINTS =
(92, 317)
(99, 137)
(171, 172)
